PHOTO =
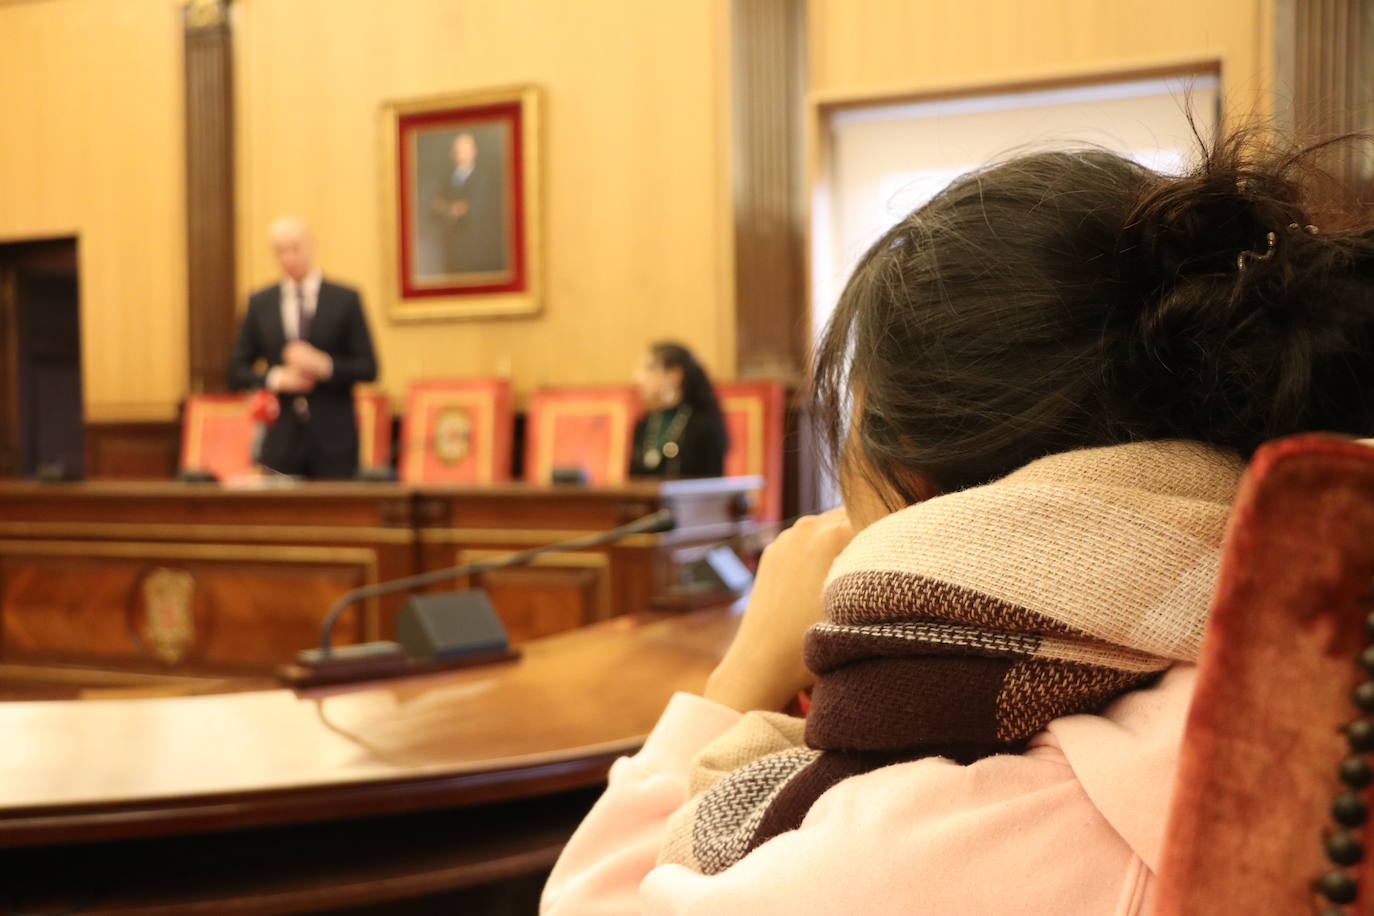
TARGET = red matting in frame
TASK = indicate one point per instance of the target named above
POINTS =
(457, 431)
(753, 413)
(217, 435)
(587, 428)
(458, 117)
(373, 411)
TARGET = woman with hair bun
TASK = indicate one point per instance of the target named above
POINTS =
(1041, 389)
(683, 433)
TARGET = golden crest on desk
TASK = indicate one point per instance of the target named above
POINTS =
(166, 619)
(452, 435)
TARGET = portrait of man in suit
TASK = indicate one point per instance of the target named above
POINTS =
(461, 177)
(461, 218)
(305, 338)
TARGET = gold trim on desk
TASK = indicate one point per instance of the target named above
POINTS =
(174, 531)
(340, 556)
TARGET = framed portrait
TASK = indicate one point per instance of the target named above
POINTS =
(461, 181)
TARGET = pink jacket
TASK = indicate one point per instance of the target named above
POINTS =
(1072, 826)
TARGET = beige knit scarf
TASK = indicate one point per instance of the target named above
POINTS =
(961, 626)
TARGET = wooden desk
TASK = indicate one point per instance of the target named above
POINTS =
(181, 578)
(509, 752)
(552, 720)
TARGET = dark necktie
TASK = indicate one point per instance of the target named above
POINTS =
(302, 316)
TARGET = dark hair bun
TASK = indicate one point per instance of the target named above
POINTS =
(1072, 299)
(1251, 320)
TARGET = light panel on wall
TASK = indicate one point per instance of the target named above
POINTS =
(887, 159)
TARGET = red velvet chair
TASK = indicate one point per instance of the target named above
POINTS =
(586, 428)
(753, 413)
(457, 431)
(373, 409)
(1274, 749)
(217, 435)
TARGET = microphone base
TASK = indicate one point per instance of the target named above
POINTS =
(380, 663)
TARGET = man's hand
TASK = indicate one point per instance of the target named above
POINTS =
(763, 667)
(290, 380)
(308, 360)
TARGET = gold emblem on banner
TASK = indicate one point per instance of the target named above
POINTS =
(168, 626)
(452, 435)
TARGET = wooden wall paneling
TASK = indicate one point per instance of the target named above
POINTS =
(876, 49)
(263, 568)
(558, 592)
(107, 571)
(185, 607)
(11, 454)
(1323, 64)
(768, 80)
(772, 312)
(95, 149)
(635, 169)
(210, 202)
(132, 450)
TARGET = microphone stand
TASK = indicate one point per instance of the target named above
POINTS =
(386, 657)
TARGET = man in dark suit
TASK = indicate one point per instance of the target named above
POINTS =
(311, 336)
(470, 213)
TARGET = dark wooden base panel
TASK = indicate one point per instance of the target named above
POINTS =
(491, 856)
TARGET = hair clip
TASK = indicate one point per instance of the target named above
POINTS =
(1309, 228)
(1271, 240)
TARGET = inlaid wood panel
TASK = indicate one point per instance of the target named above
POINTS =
(190, 578)
(166, 605)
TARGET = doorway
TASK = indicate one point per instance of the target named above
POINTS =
(41, 411)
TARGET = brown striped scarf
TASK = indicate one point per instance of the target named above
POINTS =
(961, 626)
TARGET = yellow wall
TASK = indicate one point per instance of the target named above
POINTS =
(636, 149)
(876, 47)
(636, 193)
(90, 109)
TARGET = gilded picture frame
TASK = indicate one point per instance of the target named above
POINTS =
(462, 205)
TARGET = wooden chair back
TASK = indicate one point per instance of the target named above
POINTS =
(1275, 751)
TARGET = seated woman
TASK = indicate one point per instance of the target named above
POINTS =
(1053, 373)
(683, 434)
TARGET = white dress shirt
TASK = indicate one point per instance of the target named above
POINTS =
(294, 295)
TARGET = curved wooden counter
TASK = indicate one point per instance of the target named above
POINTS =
(553, 720)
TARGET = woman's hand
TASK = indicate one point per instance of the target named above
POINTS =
(763, 667)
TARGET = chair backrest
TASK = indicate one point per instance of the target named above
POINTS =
(1258, 775)
(373, 410)
(753, 413)
(586, 428)
(217, 435)
(457, 431)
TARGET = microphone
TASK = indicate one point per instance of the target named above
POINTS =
(383, 659)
